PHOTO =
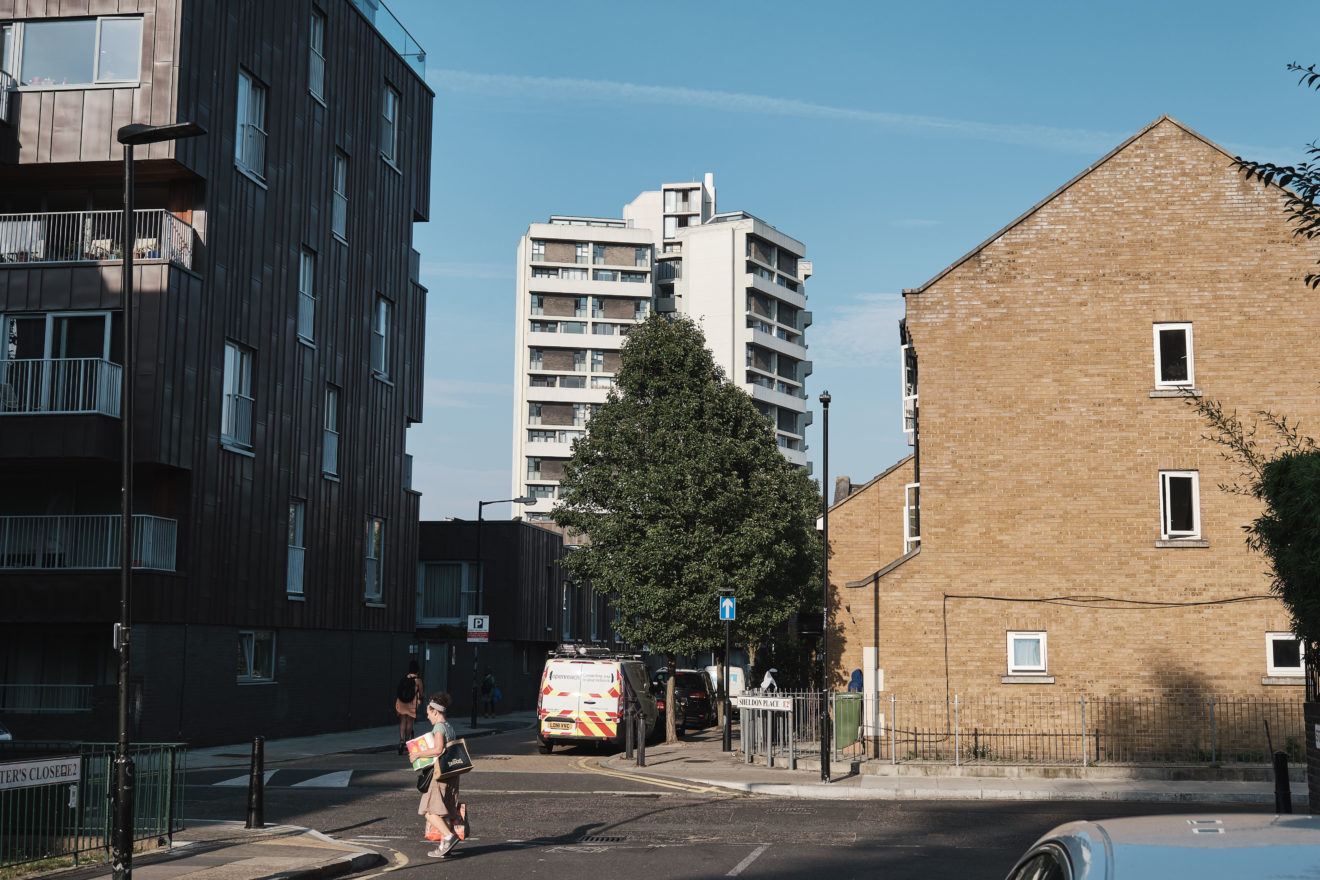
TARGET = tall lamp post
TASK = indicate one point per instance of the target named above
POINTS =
(121, 856)
(481, 590)
(825, 597)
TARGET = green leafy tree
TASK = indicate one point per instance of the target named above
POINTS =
(683, 493)
(1284, 475)
(1302, 181)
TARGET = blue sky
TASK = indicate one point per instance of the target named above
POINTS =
(891, 138)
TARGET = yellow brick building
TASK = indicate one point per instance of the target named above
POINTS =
(1073, 538)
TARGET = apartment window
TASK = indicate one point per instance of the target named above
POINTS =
(316, 55)
(1284, 654)
(1026, 653)
(1173, 356)
(641, 309)
(533, 468)
(606, 275)
(375, 553)
(1180, 506)
(641, 256)
(389, 125)
(580, 306)
(330, 432)
(538, 250)
(598, 253)
(62, 53)
(633, 277)
(572, 381)
(535, 358)
(573, 274)
(381, 325)
(671, 227)
(307, 295)
(256, 655)
(533, 413)
(580, 361)
(250, 138)
(911, 517)
(541, 492)
(544, 272)
(339, 212)
(573, 327)
(448, 591)
(582, 252)
(236, 404)
(293, 580)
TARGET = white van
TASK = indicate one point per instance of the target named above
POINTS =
(585, 694)
(737, 682)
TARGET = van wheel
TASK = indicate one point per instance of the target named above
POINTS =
(544, 746)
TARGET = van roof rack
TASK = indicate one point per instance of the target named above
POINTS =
(595, 652)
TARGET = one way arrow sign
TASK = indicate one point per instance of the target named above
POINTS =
(727, 608)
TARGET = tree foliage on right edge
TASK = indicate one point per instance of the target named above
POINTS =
(684, 495)
(1302, 181)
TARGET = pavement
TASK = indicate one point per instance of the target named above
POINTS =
(229, 851)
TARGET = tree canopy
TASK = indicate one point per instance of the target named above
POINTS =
(682, 491)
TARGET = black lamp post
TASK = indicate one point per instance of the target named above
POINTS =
(825, 598)
(121, 857)
(481, 591)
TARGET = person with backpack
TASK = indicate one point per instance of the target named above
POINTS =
(407, 695)
(488, 691)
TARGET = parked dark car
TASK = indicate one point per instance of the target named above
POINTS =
(693, 690)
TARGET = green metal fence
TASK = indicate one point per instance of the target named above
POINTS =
(55, 797)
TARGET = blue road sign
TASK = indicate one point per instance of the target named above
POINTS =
(727, 608)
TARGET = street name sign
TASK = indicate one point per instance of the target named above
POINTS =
(771, 704)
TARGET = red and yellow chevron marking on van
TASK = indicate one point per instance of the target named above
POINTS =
(597, 724)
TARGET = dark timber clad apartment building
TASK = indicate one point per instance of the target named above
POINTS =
(278, 363)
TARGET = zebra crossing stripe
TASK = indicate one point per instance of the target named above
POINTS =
(337, 779)
(243, 780)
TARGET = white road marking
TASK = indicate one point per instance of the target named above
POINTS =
(337, 779)
(742, 866)
(243, 780)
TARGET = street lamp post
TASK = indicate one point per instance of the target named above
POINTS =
(121, 857)
(825, 597)
(481, 590)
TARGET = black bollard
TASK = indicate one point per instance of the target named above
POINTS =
(629, 732)
(257, 784)
(641, 740)
(1282, 790)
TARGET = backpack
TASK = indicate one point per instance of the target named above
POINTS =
(407, 690)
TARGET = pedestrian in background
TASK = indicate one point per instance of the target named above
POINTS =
(407, 696)
(488, 689)
(439, 802)
(855, 683)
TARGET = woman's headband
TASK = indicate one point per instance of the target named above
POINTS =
(436, 706)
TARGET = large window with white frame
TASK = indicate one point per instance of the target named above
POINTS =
(307, 295)
(293, 581)
(1173, 356)
(1027, 653)
(316, 55)
(1285, 654)
(382, 322)
(250, 137)
(1180, 505)
(448, 592)
(73, 52)
(236, 402)
(389, 125)
(339, 208)
(330, 433)
(256, 656)
(375, 555)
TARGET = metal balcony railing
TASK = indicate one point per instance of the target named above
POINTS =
(93, 237)
(60, 386)
(84, 542)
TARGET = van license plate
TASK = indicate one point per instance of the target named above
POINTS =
(559, 725)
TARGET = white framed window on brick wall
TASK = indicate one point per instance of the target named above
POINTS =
(1285, 655)
(1180, 505)
(1027, 653)
(1173, 356)
(256, 656)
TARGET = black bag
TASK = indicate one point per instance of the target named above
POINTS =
(455, 760)
(407, 690)
(424, 777)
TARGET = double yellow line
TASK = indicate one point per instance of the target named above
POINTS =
(591, 766)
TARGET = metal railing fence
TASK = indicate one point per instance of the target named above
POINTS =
(60, 386)
(93, 236)
(56, 816)
(1073, 729)
(63, 542)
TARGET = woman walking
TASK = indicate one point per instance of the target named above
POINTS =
(407, 695)
(440, 802)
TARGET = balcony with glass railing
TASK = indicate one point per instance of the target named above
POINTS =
(389, 27)
(85, 542)
(60, 387)
(93, 237)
